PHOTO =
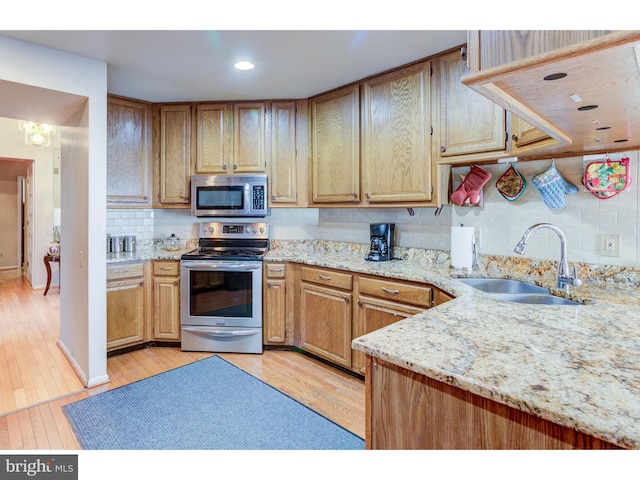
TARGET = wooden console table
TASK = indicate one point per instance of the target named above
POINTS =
(47, 263)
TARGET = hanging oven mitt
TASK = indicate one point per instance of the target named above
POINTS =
(511, 184)
(553, 187)
(606, 179)
(471, 186)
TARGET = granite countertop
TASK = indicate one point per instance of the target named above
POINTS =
(154, 252)
(577, 366)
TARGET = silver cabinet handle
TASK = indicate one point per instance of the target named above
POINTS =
(166, 268)
(392, 292)
(323, 277)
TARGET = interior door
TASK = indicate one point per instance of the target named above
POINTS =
(28, 222)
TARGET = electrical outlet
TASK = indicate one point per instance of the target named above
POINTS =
(610, 244)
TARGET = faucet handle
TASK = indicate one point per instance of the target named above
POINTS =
(575, 281)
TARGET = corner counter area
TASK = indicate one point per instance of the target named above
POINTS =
(476, 372)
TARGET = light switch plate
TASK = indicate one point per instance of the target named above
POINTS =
(610, 244)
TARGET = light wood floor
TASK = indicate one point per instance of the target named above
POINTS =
(330, 392)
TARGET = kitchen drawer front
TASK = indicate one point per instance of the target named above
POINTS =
(327, 277)
(397, 291)
(275, 270)
(168, 268)
(125, 270)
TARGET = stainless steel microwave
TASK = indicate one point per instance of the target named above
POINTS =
(229, 195)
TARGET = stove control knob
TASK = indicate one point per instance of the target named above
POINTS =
(248, 230)
(255, 230)
(261, 229)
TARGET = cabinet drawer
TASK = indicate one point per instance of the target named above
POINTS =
(398, 291)
(275, 270)
(125, 270)
(327, 277)
(169, 268)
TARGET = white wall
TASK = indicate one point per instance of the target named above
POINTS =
(79, 86)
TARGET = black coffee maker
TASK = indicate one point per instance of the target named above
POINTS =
(381, 242)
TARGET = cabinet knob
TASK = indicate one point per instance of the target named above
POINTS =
(366, 195)
(175, 282)
(273, 198)
(443, 149)
(514, 138)
(355, 195)
(463, 53)
(235, 167)
(224, 167)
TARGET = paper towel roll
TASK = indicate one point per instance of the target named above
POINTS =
(462, 240)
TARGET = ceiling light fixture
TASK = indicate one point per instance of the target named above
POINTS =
(244, 65)
(37, 134)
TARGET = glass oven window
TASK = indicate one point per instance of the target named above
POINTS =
(223, 198)
(220, 294)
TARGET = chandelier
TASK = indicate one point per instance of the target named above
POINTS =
(37, 134)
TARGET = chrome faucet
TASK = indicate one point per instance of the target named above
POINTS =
(565, 279)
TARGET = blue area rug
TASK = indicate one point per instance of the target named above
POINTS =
(206, 405)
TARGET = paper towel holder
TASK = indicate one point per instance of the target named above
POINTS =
(474, 258)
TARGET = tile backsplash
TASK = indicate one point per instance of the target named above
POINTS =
(499, 223)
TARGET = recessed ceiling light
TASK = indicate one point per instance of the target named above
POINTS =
(244, 65)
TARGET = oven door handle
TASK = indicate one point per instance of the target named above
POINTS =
(222, 333)
(221, 266)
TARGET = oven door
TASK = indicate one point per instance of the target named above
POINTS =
(221, 306)
(221, 293)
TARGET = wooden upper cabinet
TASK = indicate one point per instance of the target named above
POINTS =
(396, 138)
(282, 153)
(128, 152)
(468, 122)
(249, 138)
(214, 149)
(173, 156)
(492, 48)
(335, 147)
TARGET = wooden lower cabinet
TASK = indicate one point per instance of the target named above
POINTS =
(127, 304)
(166, 300)
(276, 321)
(406, 410)
(326, 313)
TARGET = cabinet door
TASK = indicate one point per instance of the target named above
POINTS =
(325, 325)
(128, 153)
(174, 156)
(125, 313)
(166, 308)
(336, 146)
(373, 314)
(282, 155)
(214, 149)
(275, 321)
(396, 137)
(468, 122)
(249, 138)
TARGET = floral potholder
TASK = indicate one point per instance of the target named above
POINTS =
(607, 178)
(511, 184)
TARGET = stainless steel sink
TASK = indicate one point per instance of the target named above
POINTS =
(516, 291)
(502, 285)
(546, 299)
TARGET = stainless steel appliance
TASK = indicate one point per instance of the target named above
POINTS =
(229, 195)
(381, 242)
(221, 288)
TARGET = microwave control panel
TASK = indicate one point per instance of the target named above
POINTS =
(258, 197)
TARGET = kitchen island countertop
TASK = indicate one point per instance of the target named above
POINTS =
(576, 366)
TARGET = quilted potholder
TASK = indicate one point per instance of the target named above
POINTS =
(607, 178)
(511, 184)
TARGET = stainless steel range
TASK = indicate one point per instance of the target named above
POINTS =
(221, 288)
